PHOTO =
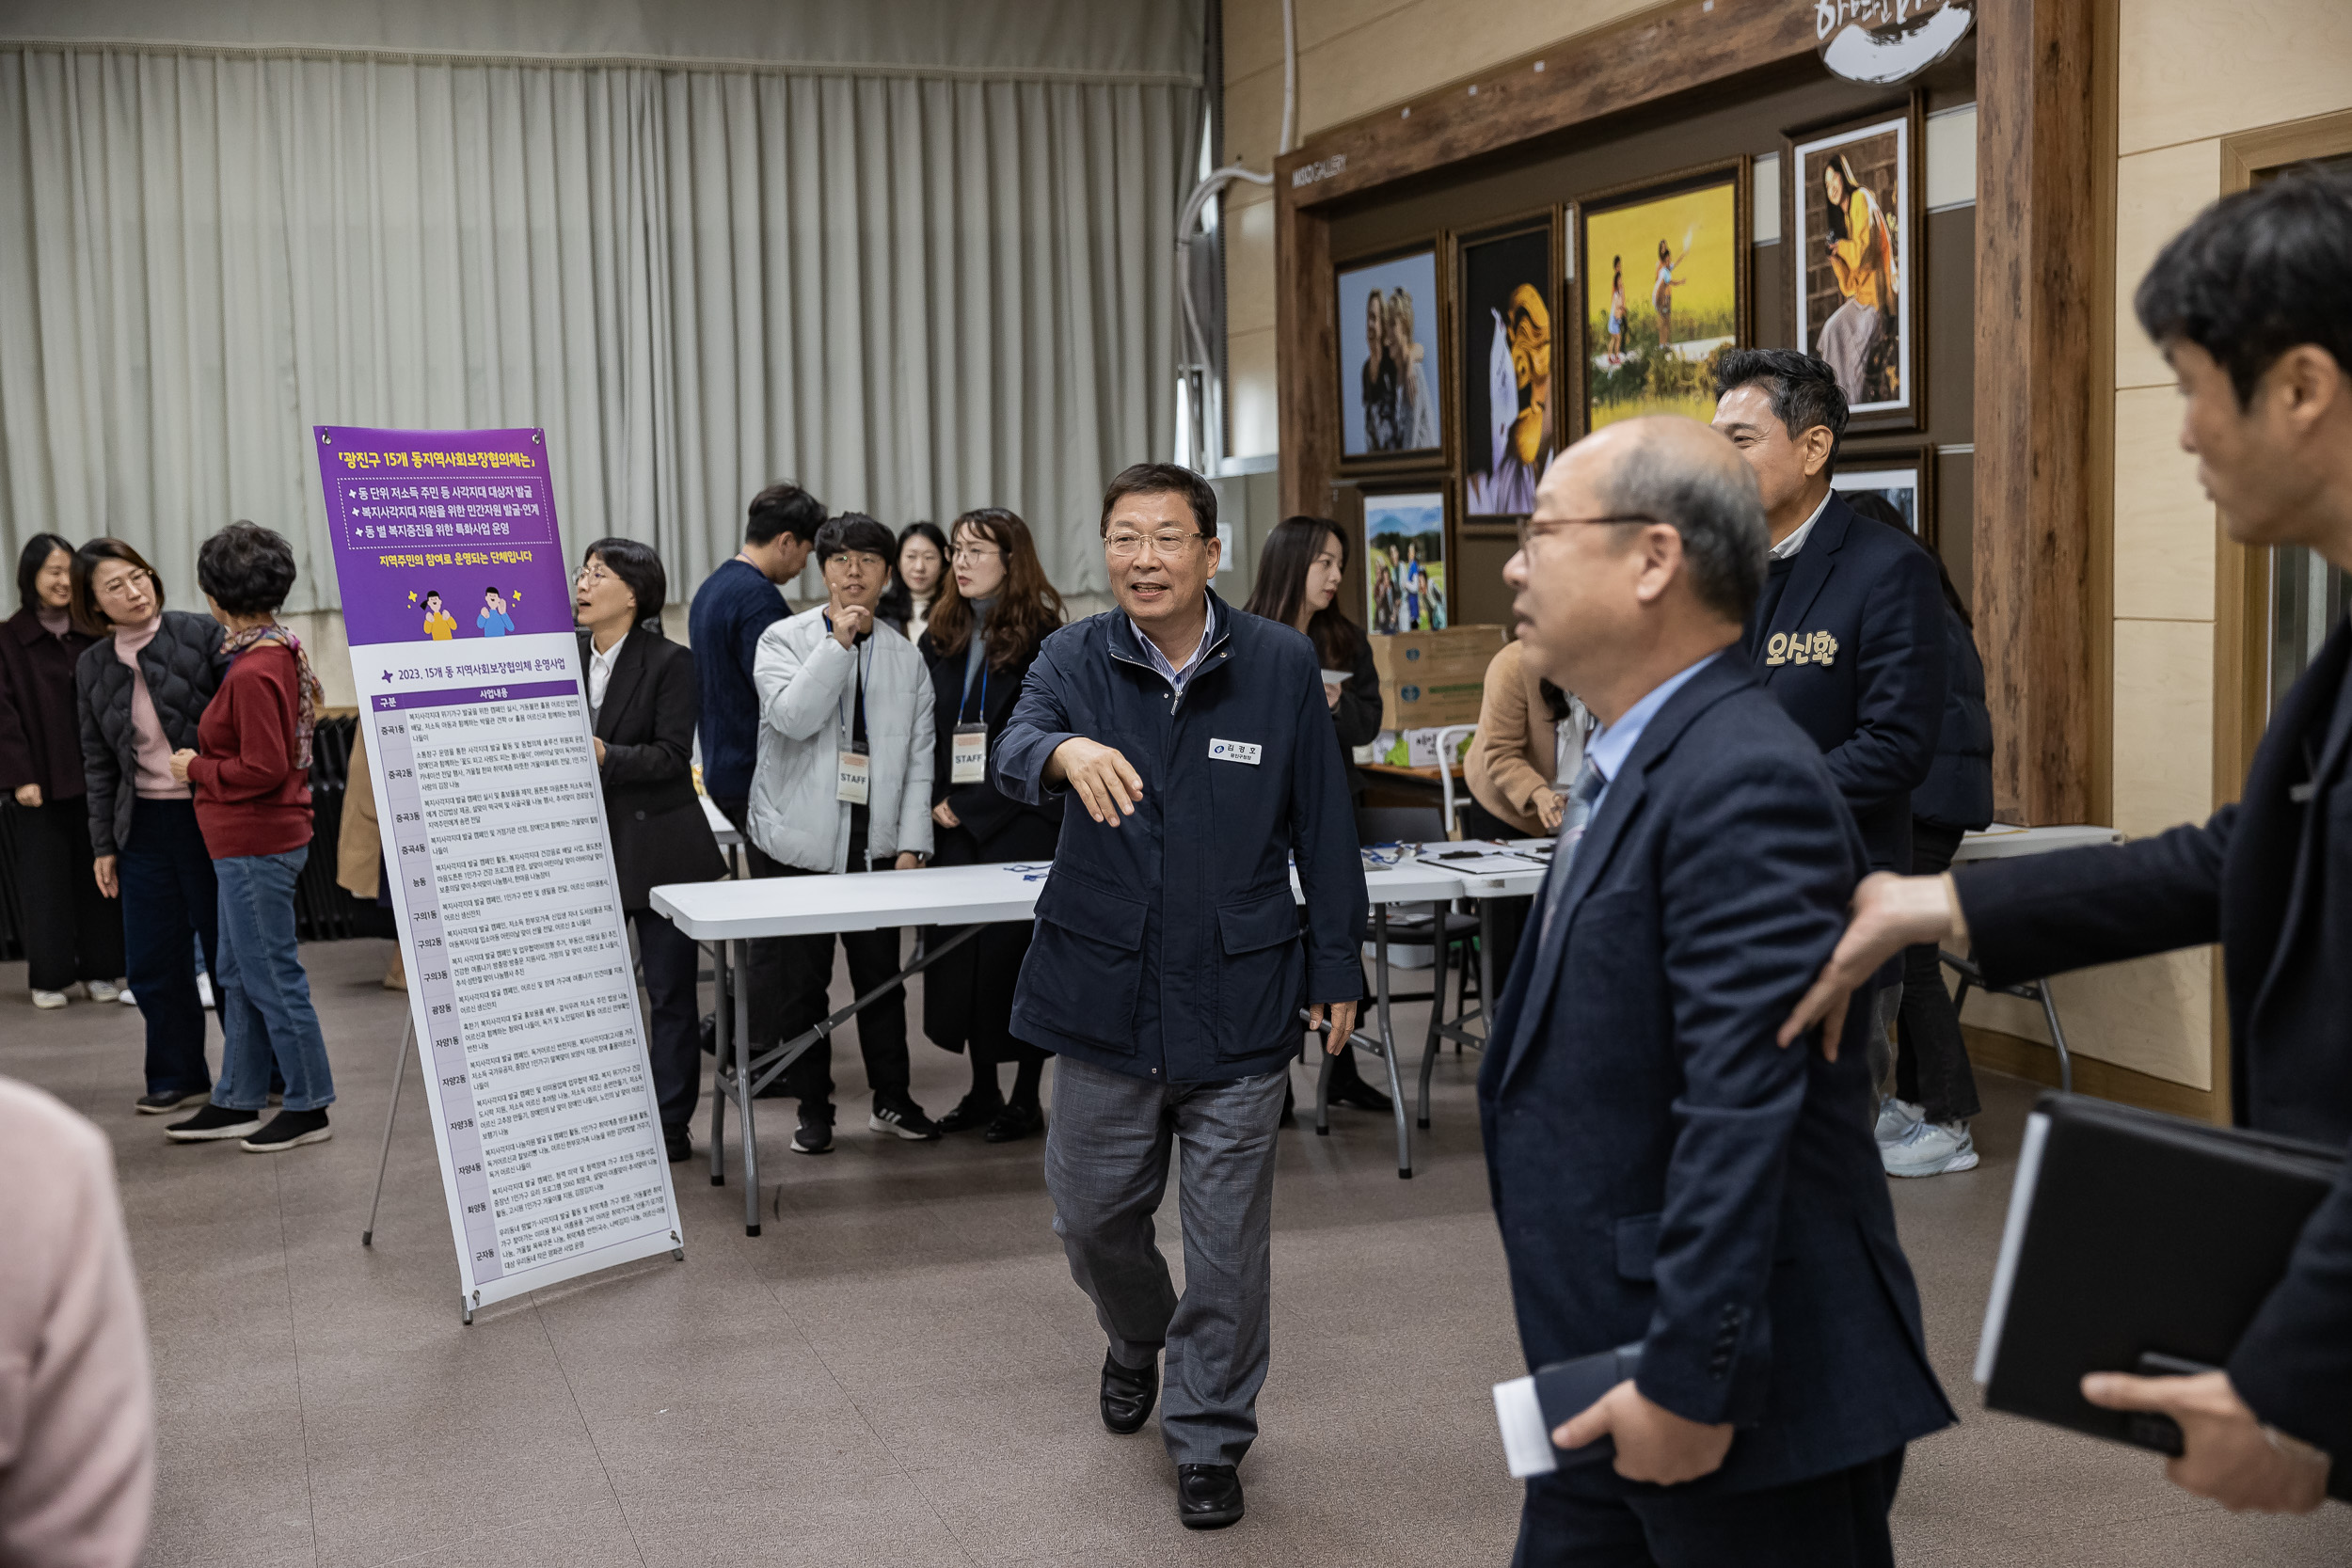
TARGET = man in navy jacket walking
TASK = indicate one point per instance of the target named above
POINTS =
(1664, 1172)
(1189, 746)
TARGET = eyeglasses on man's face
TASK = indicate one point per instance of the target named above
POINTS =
(1544, 528)
(1168, 543)
(856, 561)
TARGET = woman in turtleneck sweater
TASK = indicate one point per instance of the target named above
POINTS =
(141, 689)
(985, 627)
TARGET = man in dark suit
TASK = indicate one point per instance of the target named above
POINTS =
(2250, 305)
(1663, 1172)
(1848, 632)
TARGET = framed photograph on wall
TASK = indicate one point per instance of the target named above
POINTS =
(1390, 317)
(1403, 552)
(1506, 304)
(1901, 478)
(1850, 212)
(1661, 285)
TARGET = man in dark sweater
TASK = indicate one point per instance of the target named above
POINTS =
(734, 606)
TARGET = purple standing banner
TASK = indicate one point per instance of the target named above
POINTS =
(457, 602)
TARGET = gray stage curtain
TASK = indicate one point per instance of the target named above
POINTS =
(915, 293)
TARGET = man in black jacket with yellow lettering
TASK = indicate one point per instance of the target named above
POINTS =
(1849, 632)
(2250, 305)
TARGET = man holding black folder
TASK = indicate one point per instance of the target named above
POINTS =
(2252, 306)
(1667, 1181)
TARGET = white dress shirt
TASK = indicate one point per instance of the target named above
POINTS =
(1795, 542)
(600, 672)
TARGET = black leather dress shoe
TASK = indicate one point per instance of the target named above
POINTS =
(1208, 1496)
(1128, 1394)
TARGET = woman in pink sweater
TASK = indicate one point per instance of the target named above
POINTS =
(251, 772)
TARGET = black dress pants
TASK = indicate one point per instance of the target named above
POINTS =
(671, 959)
(1932, 1067)
(881, 1028)
(72, 930)
(1589, 1517)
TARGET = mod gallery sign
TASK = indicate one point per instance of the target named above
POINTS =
(497, 853)
(1887, 40)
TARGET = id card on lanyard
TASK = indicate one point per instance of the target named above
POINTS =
(853, 776)
(967, 747)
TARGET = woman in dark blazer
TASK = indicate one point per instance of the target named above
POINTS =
(642, 707)
(1298, 584)
(75, 933)
(993, 607)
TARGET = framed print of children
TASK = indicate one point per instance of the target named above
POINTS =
(494, 620)
(439, 624)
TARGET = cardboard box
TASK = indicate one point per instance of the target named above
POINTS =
(1428, 678)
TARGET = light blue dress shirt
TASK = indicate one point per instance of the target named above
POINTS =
(1178, 679)
(1612, 744)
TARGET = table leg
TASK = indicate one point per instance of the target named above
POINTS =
(2058, 1038)
(1387, 1041)
(723, 1021)
(739, 955)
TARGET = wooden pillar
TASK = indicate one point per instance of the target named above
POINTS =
(2039, 562)
(1307, 353)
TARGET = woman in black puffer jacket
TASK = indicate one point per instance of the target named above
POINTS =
(141, 689)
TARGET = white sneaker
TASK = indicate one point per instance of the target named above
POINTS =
(1931, 1149)
(125, 997)
(1897, 1118)
(103, 991)
(46, 999)
(204, 990)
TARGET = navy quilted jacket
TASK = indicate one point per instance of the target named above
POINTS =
(182, 667)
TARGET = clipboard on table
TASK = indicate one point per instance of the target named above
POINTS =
(2138, 1243)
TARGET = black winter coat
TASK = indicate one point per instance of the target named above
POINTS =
(1958, 792)
(1000, 828)
(40, 725)
(646, 723)
(182, 667)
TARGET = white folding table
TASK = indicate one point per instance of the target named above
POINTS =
(2000, 842)
(725, 914)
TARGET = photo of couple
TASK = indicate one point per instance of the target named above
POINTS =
(1388, 358)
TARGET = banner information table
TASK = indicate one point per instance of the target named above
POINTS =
(458, 606)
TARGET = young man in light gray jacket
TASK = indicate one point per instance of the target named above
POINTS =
(843, 785)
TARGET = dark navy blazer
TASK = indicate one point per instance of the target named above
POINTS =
(1661, 1169)
(2270, 876)
(1169, 946)
(1856, 653)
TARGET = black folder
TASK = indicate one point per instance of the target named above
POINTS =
(2138, 1243)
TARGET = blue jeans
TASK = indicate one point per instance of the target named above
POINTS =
(263, 995)
(169, 891)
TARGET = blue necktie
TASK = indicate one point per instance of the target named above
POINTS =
(1576, 812)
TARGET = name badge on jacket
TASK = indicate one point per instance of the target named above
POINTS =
(853, 777)
(1803, 647)
(967, 754)
(1236, 751)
